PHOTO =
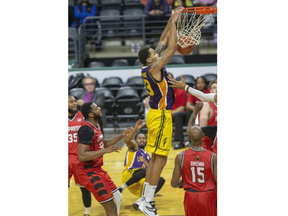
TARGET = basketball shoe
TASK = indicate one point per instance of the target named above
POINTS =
(148, 208)
(137, 203)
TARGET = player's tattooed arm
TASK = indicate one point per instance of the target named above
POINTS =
(159, 49)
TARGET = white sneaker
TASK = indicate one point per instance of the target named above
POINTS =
(137, 203)
(148, 208)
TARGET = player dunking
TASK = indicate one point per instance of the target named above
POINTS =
(75, 120)
(159, 120)
(198, 168)
(91, 148)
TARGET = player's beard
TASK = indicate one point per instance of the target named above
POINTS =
(97, 117)
(72, 111)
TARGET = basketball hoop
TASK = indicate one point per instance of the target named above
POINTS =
(190, 22)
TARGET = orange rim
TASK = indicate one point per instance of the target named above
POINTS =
(200, 10)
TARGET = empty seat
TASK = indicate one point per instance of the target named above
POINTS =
(72, 32)
(95, 2)
(76, 92)
(113, 83)
(137, 63)
(210, 77)
(111, 4)
(127, 104)
(109, 104)
(96, 64)
(176, 60)
(135, 4)
(132, 21)
(189, 79)
(110, 24)
(137, 83)
(120, 62)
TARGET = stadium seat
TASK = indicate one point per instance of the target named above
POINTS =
(71, 3)
(95, 2)
(76, 92)
(177, 60)
(111, 4)
(137, 63)
(135, 4)
(120, 62)
(113, 83)
(96, 64)
(189, 79)
(137, 83)
(210, 77)
(127, 104)
(109, 104)
(132, 21)
(110, 25)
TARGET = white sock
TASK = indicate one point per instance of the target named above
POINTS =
(124, 186)
(87, 210)
(145, 189)
(117, 199)
(150, 193)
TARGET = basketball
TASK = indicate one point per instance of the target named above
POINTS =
(182, 41)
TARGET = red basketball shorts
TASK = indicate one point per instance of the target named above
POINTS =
(71, 160)
(200, 203)
(98, 182)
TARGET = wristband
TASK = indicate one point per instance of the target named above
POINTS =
(186, 88)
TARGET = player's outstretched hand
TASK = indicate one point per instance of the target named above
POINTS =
(175, 14)
(126, 132)
(177, 84)
(113, 148)
(198, 106)
(140, 123)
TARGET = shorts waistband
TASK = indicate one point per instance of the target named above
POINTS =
(159, 111)
(194, 191)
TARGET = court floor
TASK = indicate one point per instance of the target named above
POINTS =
(169, 204)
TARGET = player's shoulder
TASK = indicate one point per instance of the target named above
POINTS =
(85, 128)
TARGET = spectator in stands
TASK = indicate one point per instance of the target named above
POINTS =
(183, 3)
(82, 10)
(202, 3)
(91, 95)
(191, 102)
(201, 86)
(156, 9)
(178, 114)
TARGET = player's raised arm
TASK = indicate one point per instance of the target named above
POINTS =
(165, 35)
(172, 44)
(131, 144)
(193, 116)
(210, 97)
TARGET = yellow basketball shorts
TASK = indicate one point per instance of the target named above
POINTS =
(137, 188)
(160, 129)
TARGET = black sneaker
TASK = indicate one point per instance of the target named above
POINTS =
(120, 189)
(179, 146)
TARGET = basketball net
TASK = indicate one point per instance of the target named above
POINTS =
(190, 26)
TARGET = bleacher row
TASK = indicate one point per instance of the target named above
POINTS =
(124, 101)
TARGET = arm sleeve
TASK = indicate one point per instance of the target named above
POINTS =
(203, 97)
(93, 11)
(210, 131)
(85, 135)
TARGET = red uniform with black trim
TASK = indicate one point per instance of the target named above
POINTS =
(73, 126)
(207, 143)
(198, 182)
(90, 173)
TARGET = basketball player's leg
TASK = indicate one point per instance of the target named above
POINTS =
(110, 208)
(86, 198)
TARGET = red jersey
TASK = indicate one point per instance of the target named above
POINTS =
(192, 99)
(90, 134)
(180, 98)
(197, 170)
(73, 126)
(207, 143)
(214, 145)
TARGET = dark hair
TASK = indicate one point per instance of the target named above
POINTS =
(86, 109)
(143, 54)
(138, 134)
(201, 77)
